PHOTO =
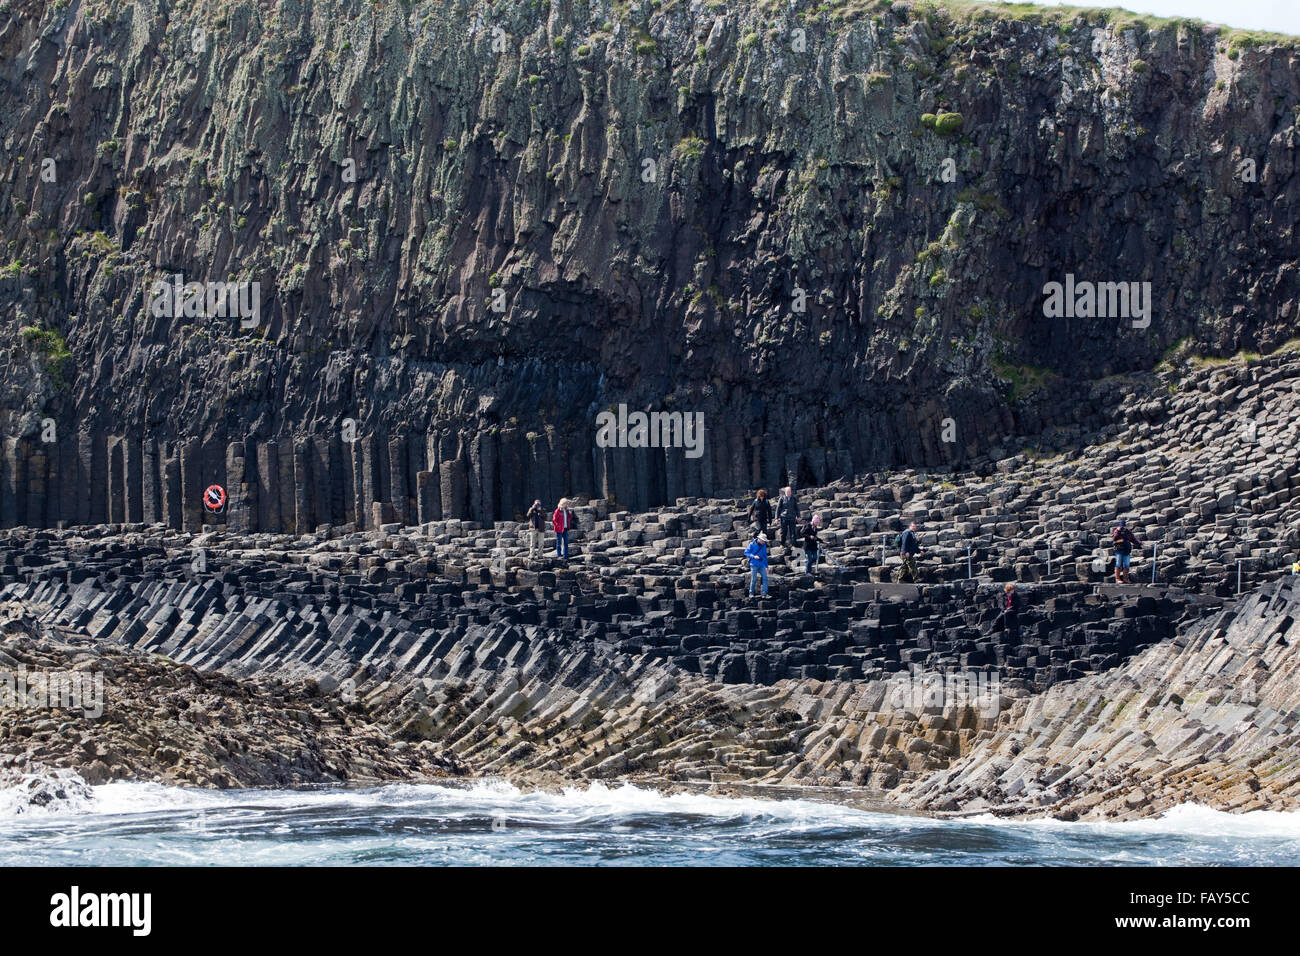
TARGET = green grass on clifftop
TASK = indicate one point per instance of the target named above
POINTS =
(1115, 17)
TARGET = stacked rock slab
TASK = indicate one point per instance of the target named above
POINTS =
(1209, 717)
(1206, 716)
(699, 623)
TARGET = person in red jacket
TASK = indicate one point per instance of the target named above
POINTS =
(562, 522)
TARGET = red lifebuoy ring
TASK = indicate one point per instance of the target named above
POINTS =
(214, 499)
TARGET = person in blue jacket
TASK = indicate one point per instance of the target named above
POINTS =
(757, 554)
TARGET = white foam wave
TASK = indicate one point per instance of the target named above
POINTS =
(1188, 819)
(600, 803)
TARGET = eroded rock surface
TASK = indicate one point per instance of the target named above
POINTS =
(388, 172)
(131, 716)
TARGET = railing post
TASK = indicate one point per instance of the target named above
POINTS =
(1155, 553)
(969, 575)
(1239, 575)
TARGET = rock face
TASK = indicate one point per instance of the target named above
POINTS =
(1208, 718)
(642, 658)
(122, 716)
(1205, 717)
(474, 225)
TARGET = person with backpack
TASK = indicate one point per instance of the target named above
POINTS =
(812, 543)
(757, 554)
(562, 521)
(536, 527)
(760, 511)
(1124, 541)
(909, 545)
(1008, 618)
(787, 517)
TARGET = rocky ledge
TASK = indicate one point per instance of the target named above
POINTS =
(143, 717)
(1206, 717)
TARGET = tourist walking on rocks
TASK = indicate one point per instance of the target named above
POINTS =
(760, 511)
(562, 522)
(787, 517)
(909, 544)
(1008, 618)
(537, 527)
(1124, 541)
(812, 543)
(757, 554)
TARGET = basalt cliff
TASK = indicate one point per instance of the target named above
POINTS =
(229, 658)
(474, 225)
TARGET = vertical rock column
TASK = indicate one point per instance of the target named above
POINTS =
(427, 495)
(538, 465)
(36, 486)
(241, 500)
(772, 465)
(431, 461)
(191, 456)
(370, 484)
(268, 486)
(303, 509)
(173, 510)
(483, 477)
(53, 452)
(674, 474)
(288, 489)
(95, 464)
(454, 488)
(81, 476)
(357, 483)
(397, 493)
(150, 488)
(325, 482)
(347, 479)
(515, 474)
(70, 489)
(116, 481)
(581, 473)
(12, 509)
(133, 479)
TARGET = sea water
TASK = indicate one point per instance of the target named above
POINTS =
(492, 823)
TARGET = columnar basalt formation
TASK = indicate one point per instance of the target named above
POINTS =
(1204, 717)
(642, 658)
(1204, 462)
(476, 224)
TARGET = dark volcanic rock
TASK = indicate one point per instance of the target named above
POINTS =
(796, 269)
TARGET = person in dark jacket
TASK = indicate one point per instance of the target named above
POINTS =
(760, 512)
(909, 543)
(536, 527)
(812, 543)
(787, 517)
(1124, 541)
(1008, 618)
